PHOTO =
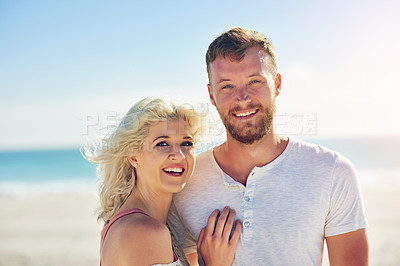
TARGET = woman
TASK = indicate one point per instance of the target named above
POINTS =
(150, 156)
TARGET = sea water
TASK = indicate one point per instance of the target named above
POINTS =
(66, 171)
(46, 171)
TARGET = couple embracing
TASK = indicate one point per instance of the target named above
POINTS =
(259, 198)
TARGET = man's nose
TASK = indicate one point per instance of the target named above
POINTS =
(242, 94)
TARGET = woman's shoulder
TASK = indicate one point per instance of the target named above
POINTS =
(141, 229)
(139, 239)
(138, 222)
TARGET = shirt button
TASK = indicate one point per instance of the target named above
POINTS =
(246, 224)
(247, 198)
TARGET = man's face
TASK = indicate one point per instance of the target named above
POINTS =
(244, 94)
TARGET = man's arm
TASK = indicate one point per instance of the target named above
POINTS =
(348, 249)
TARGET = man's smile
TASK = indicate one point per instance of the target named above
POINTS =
(245, 114)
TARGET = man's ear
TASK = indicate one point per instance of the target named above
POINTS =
(210, 93)
(277, 84)
(133, 161)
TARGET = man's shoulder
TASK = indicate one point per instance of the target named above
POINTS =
(205, 173)
(204, 154)
(205, 159)
(319, 154)
(313, 149)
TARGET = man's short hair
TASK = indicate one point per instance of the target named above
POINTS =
(234, 44)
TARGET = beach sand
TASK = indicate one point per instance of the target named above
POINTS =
(383, 213)
(62, 229)
(49, 230)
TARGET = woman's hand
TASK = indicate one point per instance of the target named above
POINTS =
(215, 245)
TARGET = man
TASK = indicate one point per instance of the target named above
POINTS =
(289, 195)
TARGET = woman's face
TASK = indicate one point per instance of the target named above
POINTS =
(166, 161)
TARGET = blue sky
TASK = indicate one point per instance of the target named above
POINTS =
(65, 65)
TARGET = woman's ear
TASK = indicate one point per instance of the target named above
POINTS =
(133, 161)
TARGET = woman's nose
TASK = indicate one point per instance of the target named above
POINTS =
(176, 153)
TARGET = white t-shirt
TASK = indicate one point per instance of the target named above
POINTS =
(287, 207)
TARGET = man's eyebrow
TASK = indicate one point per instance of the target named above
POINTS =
(250, 76)
(255, 75)
(222, 80)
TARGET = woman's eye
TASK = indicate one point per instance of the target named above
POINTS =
(187, 143)
(255, 82)
(162, 144)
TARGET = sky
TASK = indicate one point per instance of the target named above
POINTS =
(68, 68)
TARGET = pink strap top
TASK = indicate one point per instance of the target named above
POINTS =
(108, 224)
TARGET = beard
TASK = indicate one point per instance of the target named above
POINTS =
(252, 130)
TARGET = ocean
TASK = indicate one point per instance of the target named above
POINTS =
(45, 171)
(26, 173)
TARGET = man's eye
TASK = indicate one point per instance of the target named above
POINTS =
(227, 87)
(187, 143)
(255, 82)
(162, 144)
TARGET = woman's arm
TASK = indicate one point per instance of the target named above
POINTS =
(193, 259)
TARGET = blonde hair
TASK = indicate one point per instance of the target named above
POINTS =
(116, 175)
